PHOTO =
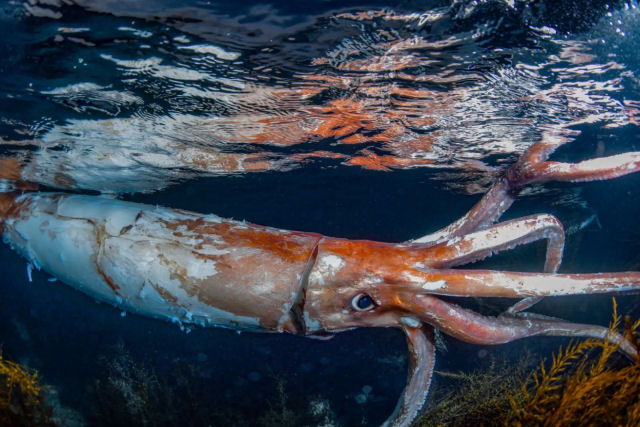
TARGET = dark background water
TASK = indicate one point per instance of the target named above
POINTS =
(483, 108)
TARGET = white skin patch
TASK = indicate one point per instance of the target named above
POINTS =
(264, 288)
(333, 262)
(412, 322)
(412, 278)
(370, 281)
(475, 279)
(326, 267)
(453, 241)
(200, 269)
(312, 324)
(432, 286)
(29, 271)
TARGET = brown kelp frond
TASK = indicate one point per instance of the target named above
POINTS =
(584, 388)
(532, 410)
(19, 379)
(631, 330)
(480, 397)
(21, 398)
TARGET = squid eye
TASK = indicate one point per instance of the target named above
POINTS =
(362, 302)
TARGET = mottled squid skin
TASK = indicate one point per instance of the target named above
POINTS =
(165, 263)
(208, 271)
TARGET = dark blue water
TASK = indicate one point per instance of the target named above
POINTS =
(372, 120)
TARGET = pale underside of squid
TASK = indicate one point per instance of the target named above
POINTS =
(209, 271)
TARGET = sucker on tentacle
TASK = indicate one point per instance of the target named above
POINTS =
(209, 271)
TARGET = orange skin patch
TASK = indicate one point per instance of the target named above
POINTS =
(289, 246)
(10, 168)
(258, 271)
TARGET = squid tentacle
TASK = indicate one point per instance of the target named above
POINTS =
(509, 284)
(472, 327)
(505, 235)
(422, 359)
(484, 213)
(532, 168)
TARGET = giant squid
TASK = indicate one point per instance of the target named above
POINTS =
(208, 271)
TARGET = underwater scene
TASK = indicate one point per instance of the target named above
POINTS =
(170, 171)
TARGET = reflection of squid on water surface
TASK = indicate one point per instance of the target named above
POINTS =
(208, 271)
(374, 112)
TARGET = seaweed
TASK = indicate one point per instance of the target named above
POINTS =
(279, 414)
(133, 393)
(477, 398)
(127, 391)
(582, 388)
(22, 400)
(130, 392)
